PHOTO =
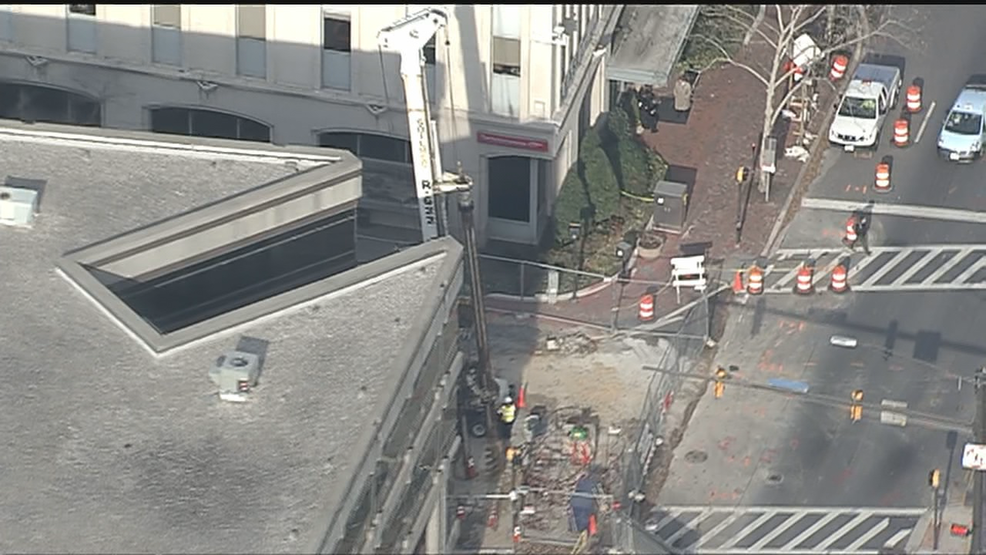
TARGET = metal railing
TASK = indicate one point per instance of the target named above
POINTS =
(529, 279)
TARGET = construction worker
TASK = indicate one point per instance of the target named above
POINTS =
(508, 413)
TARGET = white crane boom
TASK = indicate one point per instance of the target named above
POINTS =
(408, 37)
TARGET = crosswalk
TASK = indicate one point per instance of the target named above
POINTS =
(780, 529)
(912, 268)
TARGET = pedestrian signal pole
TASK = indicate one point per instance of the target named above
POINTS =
(934, 481)
(977, 483)
(856, 409)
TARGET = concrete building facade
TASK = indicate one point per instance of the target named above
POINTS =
(513, 89)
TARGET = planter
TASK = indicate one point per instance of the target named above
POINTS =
(650, 245)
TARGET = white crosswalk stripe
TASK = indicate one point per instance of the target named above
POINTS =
(912, 268)
(780, 529)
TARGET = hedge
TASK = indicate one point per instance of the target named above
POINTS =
(611, 158)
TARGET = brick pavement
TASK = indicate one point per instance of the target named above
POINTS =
(716, 140)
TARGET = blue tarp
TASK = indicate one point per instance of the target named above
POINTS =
(583, 507)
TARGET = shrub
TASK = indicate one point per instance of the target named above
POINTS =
(637, 165)
(602, 186)
(569, 205)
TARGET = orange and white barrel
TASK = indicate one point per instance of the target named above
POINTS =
(882, 181)
(646, 312)
(754, 285)
(902, 132)
(913, 99)
(839, 65)
(851, 236)
(840, 279)
(806, 275)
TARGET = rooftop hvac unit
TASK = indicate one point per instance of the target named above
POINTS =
(236, 374)
(18, 206)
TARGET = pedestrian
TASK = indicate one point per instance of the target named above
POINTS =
(508, 413)
(862, 230)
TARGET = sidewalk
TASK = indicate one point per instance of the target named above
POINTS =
(716, 139)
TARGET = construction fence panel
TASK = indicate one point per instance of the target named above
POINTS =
(529, 279)
(680, 352)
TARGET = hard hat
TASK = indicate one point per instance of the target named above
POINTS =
(508, 400)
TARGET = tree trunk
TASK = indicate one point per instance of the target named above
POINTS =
(829, 24)
(766, 130)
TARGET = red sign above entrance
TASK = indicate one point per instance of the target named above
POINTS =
(523, 143)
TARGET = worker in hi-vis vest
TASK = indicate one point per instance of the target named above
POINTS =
(508, 413)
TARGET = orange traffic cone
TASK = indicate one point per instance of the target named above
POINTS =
(593, 528)
(738, 282)
(521, 403)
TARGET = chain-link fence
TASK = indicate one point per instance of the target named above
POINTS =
(679, 353)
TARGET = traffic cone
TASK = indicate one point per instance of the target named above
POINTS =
(738, 282)
(520, 396)
(593, 528)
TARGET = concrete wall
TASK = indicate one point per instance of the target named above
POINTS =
(291, 99)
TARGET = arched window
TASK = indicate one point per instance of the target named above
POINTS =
(199, 122)
(28, 102)
(369, 145)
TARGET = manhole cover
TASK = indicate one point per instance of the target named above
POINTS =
(696, 456)
(774, 478)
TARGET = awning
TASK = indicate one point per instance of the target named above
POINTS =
(652, 39)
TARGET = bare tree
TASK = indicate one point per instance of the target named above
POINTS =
(789, 22)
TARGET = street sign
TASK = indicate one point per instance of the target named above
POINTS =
(974, 456)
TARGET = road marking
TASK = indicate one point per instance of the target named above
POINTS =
(857, 268)
(890, 403)
(858, 529)
(952, 262)
(820, 276)
(888, 266)
(918, 265)
(865, 538)
(924, 123)
(971, 270)
(903, 210)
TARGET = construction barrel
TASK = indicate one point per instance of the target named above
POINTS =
(754, 284)
(882, 181)
(913, 99)
(839, 65)
(840, 281)
(902, 132)
(646, 311)
(806, 276)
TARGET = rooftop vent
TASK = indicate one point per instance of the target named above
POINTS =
(18, 205)
(236, 374)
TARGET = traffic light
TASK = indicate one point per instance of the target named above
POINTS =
(720, 386)
(855, 409)
(934, 478)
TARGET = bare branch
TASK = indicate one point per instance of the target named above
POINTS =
(810, 19)
(780, 16)
(729, 14)
(729, 59)
(755, 26)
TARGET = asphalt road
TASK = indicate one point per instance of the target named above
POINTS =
(913, 346)
(935, 336)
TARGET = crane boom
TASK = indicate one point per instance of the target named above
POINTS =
(408, 36)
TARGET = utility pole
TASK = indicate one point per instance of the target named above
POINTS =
(977, 483)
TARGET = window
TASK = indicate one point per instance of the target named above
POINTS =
(369, 145)
(336, 48)
(964, 123)
(505, 84)
(510, 188)
(82, 9)
(82, 27)
(47, 104)
(207, 123)
(430, 53)
(166, 34)
(6, 23)
(251, 40)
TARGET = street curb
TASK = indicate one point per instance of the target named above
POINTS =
(776, 237)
